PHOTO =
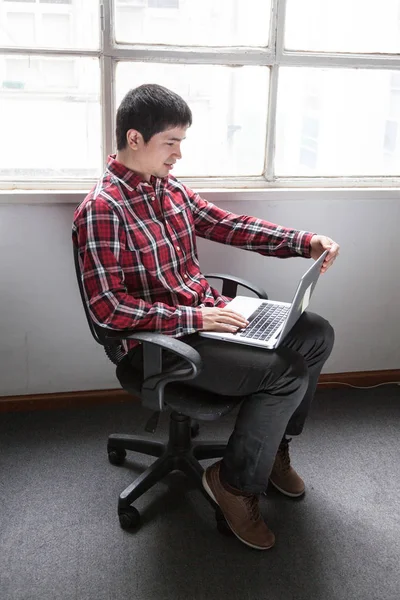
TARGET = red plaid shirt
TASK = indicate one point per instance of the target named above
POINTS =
(138, 255)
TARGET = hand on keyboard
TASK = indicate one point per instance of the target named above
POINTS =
(222, 319)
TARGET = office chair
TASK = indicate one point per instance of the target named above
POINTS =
(165, 391)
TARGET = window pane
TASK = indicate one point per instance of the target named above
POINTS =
(49, 117)
(343, 25)
(229, 107)
(193, 23)
(21, 25)
(333, 122)
(55, 24)
(56, 30)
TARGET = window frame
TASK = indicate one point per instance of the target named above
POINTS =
(274, 57)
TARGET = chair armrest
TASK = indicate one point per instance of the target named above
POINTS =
(231, 283)
(155, 380)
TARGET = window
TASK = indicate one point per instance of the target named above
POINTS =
(283, 92)
(55, 24)
(345, 134)
(193, 23)
(231, 138)
(50, 114)
(342, 26)
(163, 3)
(391, 140)
(49, 118)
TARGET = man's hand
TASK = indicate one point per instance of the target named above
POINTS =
(222, 319)
(320, 243)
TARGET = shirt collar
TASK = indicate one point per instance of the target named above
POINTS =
(131, 179)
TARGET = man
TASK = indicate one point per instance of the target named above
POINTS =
(136, 236)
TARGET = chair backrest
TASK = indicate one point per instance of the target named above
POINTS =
(113, 350)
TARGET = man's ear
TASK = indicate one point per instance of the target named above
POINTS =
(134, 139)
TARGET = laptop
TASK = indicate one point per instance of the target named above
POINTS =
(270, 321)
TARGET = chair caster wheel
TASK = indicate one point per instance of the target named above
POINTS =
(129, 518)
(194, 429)
(116, 456)
(222, 525)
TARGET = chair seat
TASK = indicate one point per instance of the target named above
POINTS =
(197, 404)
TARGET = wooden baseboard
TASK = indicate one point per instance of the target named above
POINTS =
(64, 400)
(99, 397)
(358, 378)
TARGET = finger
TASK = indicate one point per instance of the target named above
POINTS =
(333, 250)
(234, 315)
(231, 312)
(329, 260)
(226, 328)
(330, 257)
(327, 265)
(232, 320)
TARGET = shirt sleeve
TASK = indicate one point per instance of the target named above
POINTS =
(100, 238)
(248, 233)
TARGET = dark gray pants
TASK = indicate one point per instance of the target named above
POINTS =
(278, 387)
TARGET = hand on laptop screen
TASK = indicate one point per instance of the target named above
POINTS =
(321, 243)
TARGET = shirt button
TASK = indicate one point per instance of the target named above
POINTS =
(178, 248)
(185, 276)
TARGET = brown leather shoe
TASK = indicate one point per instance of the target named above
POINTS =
(283, 477)
(241, 512)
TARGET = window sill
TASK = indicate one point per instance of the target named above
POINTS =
(217, 194)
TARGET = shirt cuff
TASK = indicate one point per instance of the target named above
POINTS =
(301, 243)
(191, 320)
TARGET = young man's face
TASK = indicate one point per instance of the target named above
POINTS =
(161, 152)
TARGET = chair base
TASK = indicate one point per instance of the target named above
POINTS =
(179, 453)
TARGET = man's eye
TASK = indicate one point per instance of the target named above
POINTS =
(170, 143)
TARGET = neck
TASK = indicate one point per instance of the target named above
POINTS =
(125, 158)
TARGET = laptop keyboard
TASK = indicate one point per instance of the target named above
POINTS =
(264, 321)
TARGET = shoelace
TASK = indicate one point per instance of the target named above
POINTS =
(283, 452)
(252, 505)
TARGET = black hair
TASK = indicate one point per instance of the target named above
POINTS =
(150, 109)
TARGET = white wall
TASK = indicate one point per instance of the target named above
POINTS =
(45, 345)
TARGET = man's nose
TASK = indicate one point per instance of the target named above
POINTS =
(178, 153)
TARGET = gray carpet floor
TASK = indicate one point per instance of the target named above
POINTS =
(60, 537)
